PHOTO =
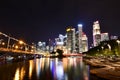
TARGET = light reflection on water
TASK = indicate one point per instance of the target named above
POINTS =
(46, 69)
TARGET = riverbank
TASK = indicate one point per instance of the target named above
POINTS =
(107, 68)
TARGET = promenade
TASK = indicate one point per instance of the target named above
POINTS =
(106, 68)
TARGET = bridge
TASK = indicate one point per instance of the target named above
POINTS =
(11, 44)
(5, 50)
(12, 48)
(16, 55)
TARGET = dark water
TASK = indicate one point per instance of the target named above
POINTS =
(46, 69)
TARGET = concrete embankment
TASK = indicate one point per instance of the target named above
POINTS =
(108, 69)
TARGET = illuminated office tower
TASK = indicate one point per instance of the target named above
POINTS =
(70, 39)
(80, 38)
(41, 46)
(61, 43)
(84, 42)
(96, 33)
(77, 41)
(104, 37)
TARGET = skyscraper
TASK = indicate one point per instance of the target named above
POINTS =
(80, 38)
(61, 43)
(84, 42)
(96, 33)
(71, 39)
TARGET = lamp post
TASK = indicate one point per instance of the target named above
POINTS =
(109, 46)
(118, 45)
(118, 42)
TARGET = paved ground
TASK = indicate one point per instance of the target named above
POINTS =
(105, 68)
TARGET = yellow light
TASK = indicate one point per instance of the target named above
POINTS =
(31, 50)
(21, 42)
(68, 29)
(16, 47)
(32, 46)
(3, 43)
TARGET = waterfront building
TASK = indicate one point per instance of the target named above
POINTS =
(77, 42)
(84, 42)
(71, 40)
(80, 31)
(41, 46)
(96, 33)
(61, 43)
(104, 37)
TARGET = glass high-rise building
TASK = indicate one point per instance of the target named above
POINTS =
(71, 39)
(84, 43)
(96, 33)
(80, 31)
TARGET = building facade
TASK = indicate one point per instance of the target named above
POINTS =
(96, 33)
(84, 43)
(104, 37)
(80, 31)
(70, 40)
(61, 43)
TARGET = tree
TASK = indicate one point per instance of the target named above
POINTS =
(60, 52)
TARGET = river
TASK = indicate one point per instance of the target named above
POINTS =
(71, 68)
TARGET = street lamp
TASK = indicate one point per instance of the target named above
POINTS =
(109, 46)
(21, 42)
(16, 47)
(118, 42)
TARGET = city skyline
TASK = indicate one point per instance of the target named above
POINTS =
(31, 20)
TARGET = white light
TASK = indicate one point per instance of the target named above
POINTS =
(80, 25)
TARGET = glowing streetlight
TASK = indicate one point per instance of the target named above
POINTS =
(21, 42)
(16, 47)
(109, 46)
(102, 47)
(118, 42)
(3, 43)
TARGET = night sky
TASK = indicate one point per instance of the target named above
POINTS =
(39, 20)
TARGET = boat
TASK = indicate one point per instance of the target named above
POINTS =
(9, 58)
